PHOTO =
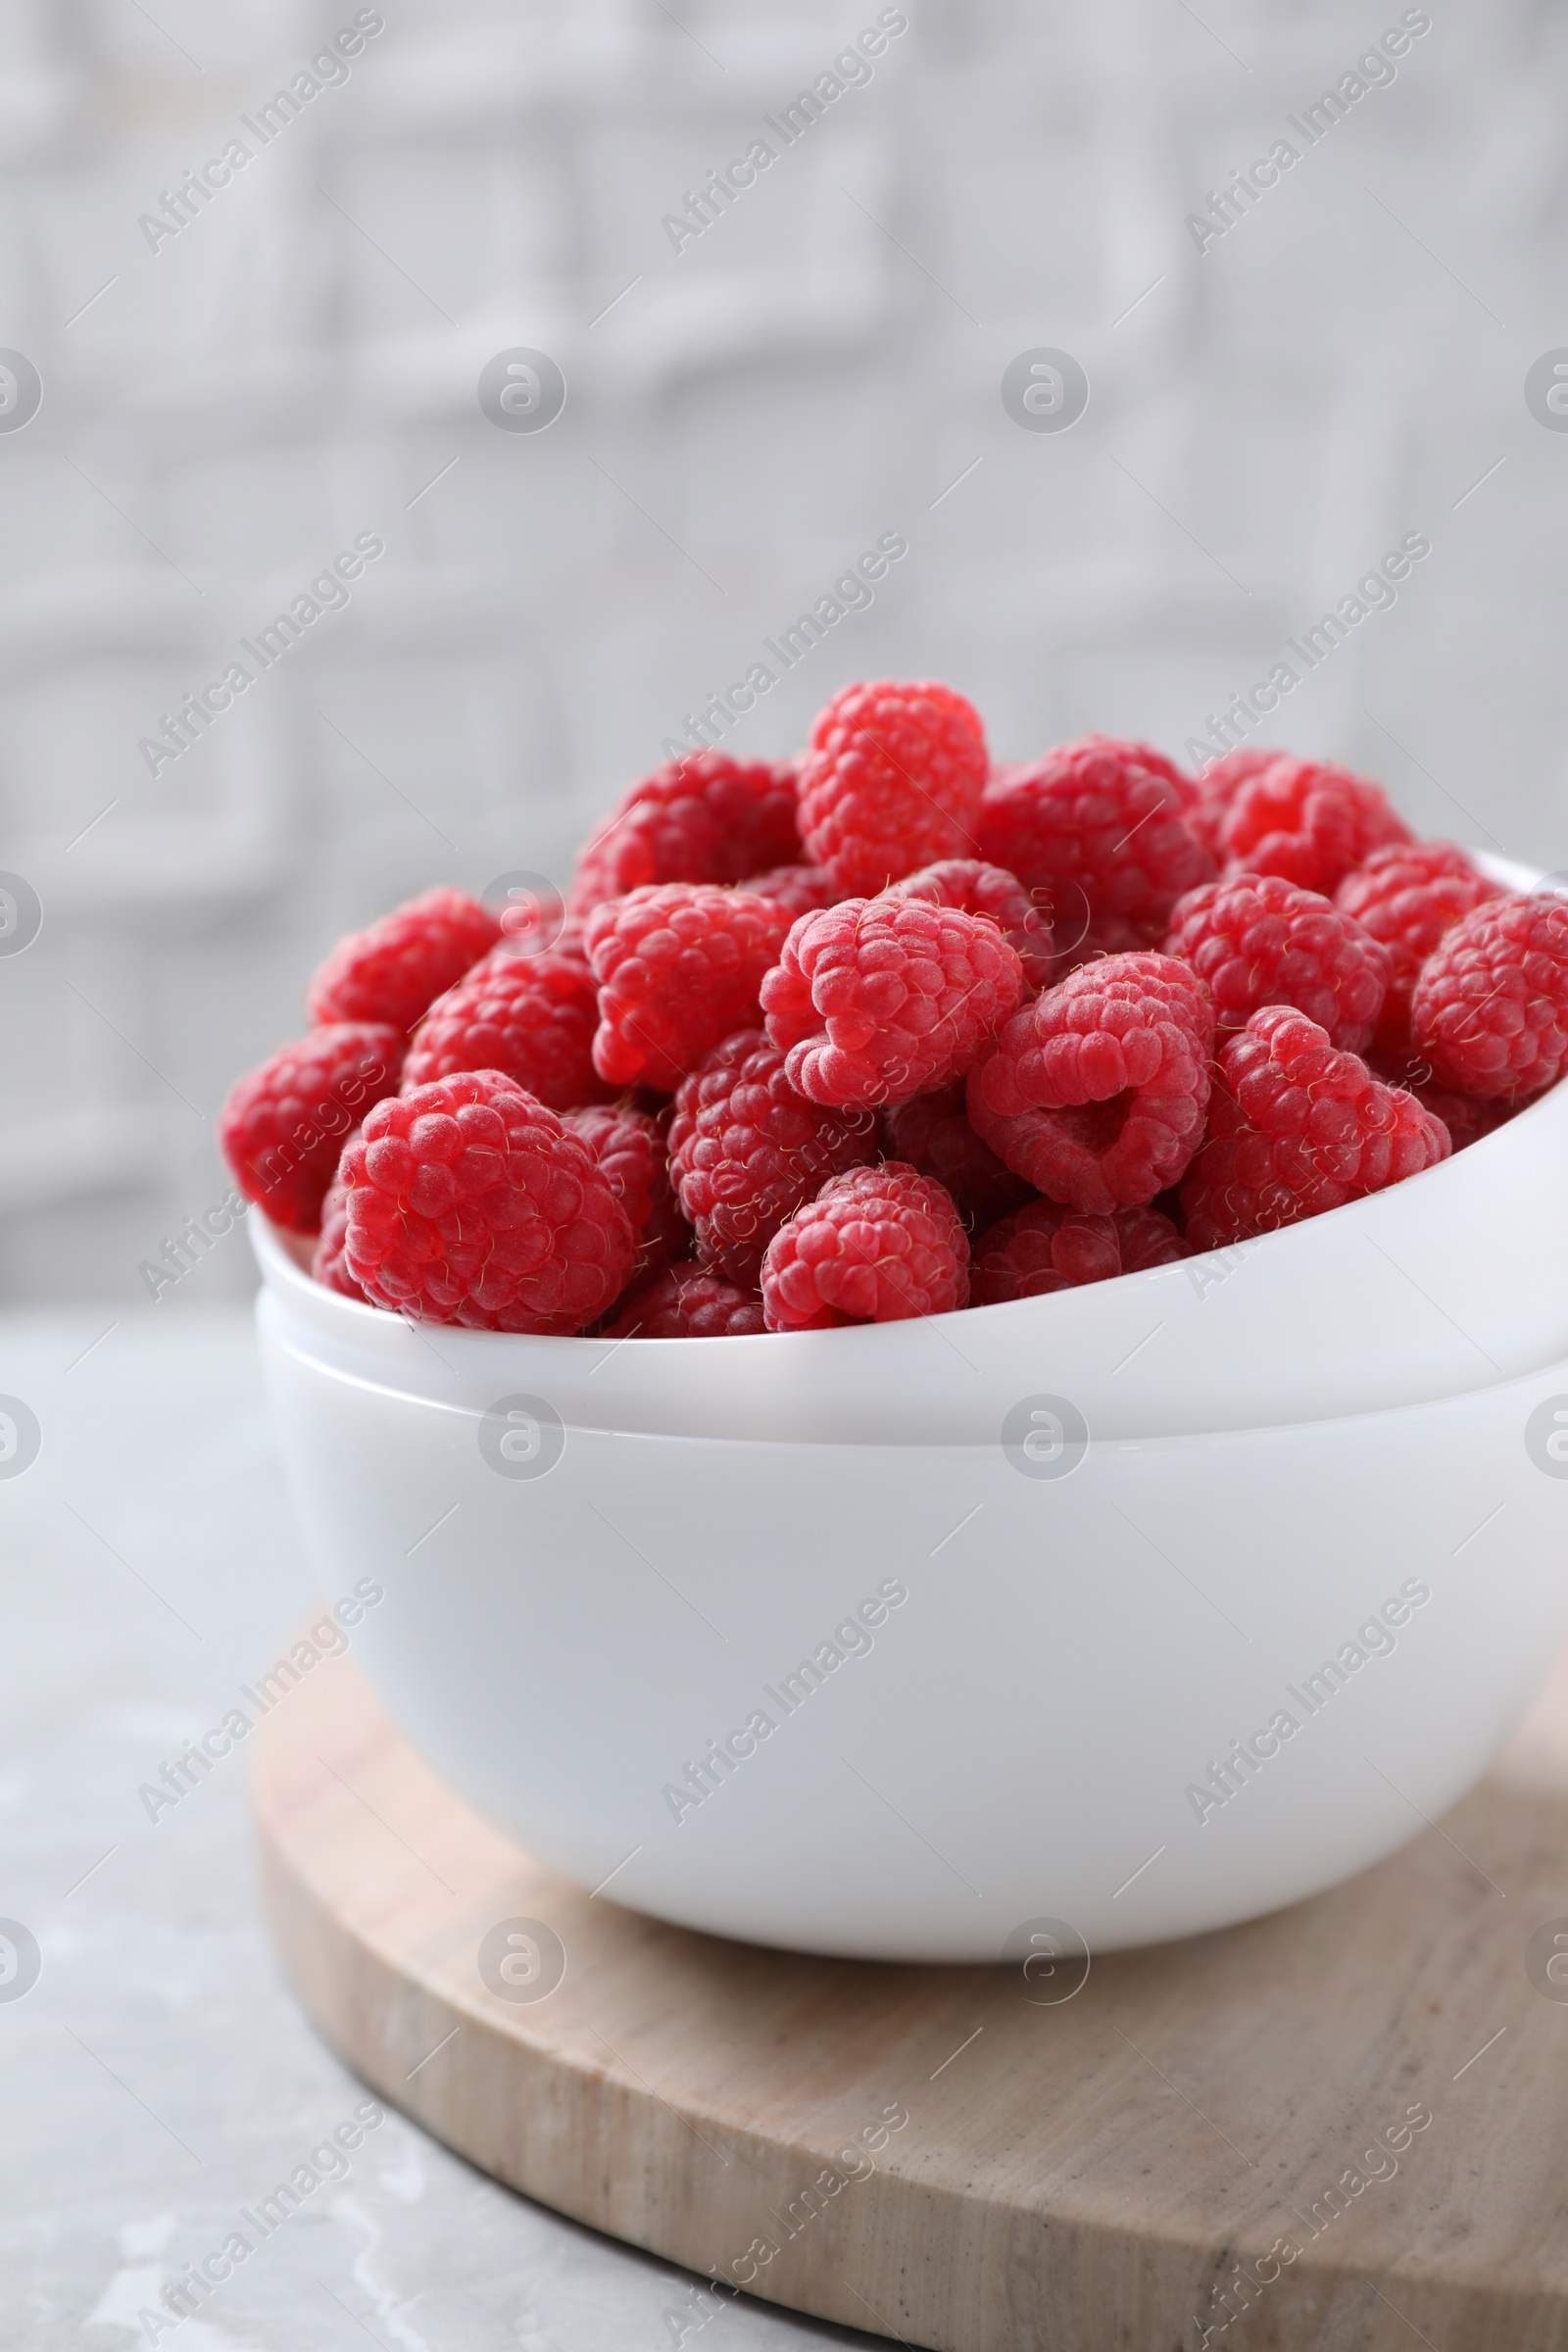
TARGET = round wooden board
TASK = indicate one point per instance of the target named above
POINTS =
(1087, 2173)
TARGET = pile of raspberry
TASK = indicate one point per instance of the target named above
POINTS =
(890, 1031)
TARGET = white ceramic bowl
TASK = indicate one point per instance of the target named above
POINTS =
(1022, 1660)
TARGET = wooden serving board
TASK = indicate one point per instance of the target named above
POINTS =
(952, 2156)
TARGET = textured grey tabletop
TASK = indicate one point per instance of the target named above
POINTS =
(158, 2076)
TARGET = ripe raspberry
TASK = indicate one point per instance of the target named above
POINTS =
(746, 1151)
(1467, 1117)
(1097, 1091)
(975, 888)
(933, 1135)
(1299, 1127)
(530, 1016)
(1157, 762)
(629, 1147)
(678, 967)
(1258, 940)
(876, 1246)
(892, 781)
(534, 920)
(1090, 822)
(396, 969)
(328, 1265)
(1123, 747)
(1489, 1009)
(469, 1202)
(877, 999)
(704, 818)
(285, 1123)
(1090, 942)
(1408, 896)
(1044, 1247)
(1217, 786)
(1309, 822)
(688, 1302)
(799, 888)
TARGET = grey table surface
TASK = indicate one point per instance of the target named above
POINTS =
(158, 2075)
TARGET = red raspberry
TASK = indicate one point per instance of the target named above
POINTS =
(1097, 1091)
(891, 779)
(1258, 940)
(534, 920)
(876, 1246)
(396, 969)
(1107, 935)
(746, 1151)
(1489, 1009)
(975, 888)
(1466, 1116)
(1043, 1248)
(1157, 762)
(469, 1202)
(688, 1302)
(933, 1135)
(1095, 831)
(678, 967)
(1408, 896)
(1299, 1127)
(629, 1147)
(799, 888)
(328, 1265)
(1217, 786)
(1308, 821)
(530, 1016)
(285, 1123)
(877, 999)
(704, 818)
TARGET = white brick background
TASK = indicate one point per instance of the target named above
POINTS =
(817, 369)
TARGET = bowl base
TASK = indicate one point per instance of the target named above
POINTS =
(1354, 2113)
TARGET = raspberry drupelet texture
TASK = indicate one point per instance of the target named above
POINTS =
(934, 1134)
(688, 1302)
(975, 888)
(1098, 832)
(1258, 939)
(878, 999)
(890, 781)
(878, 1245)
(799, 888)
(704, 818)
(395, 970)
(1296, 1127)
(1407, 896)
(285, 1122)
(1217, 787)
(328, 1265)
(1097, 1091)
(631, 1149)
(1489, 1009)
(678, 967)
(746, 1151)
(532, 1016)
(533, 917)
(1467, 1117)
(1044, 1247)
(469, 1202)
(1309, 822)
(1087, 941)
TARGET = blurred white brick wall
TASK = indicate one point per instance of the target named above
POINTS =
(300, 362)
